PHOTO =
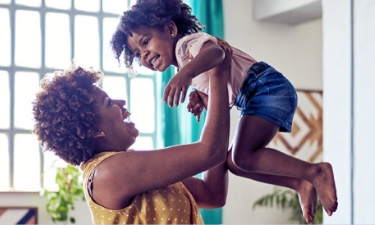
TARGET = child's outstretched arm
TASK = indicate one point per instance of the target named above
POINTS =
(210, 55)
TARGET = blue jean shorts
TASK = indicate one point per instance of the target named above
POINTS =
(266, 93)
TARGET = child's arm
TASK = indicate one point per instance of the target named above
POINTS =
(197, 102)
(209, 56)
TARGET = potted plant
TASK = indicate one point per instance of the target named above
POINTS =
(285, 198)
(69, 191)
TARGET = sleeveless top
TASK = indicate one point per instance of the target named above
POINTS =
(189, 46)
(172, 204)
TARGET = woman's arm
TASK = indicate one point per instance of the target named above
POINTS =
(120, 177)
(211, 191)
(209, 56)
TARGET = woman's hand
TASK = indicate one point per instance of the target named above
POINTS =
(223, 69)
(195, 105)
(210, 55)
(199, 100)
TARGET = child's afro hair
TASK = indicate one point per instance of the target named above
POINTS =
(152, 13)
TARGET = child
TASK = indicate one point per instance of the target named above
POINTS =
(160, 33)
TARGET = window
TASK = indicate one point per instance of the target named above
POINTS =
(38, 37)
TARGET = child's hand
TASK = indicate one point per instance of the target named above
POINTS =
(176, 87)
(195, 105)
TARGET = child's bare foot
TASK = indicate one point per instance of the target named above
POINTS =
(324, 184)
(308, 200)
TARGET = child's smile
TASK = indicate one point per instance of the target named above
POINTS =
(155, 62)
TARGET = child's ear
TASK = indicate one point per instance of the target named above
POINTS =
(171, 28)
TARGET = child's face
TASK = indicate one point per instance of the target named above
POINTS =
(154, 47)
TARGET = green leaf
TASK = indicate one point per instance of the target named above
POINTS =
(286, 198)
(70, 188)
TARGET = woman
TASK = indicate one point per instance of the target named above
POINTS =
(78, 121)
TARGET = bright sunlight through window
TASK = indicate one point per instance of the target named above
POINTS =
(39, 37)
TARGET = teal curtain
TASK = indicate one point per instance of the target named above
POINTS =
(170, 116)
(179, 126)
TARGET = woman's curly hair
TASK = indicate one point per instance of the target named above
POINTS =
(64, 113)
(152, 13)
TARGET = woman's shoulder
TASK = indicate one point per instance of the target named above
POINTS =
(88, 166)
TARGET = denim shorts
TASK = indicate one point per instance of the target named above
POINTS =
(266, 93)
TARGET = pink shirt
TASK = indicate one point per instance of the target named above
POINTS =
(189, 46)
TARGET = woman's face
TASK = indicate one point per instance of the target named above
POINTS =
(118, 134)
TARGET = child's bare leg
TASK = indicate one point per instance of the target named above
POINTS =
(249, 154)
(306, 191)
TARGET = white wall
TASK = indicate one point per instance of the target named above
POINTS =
(337, 105)
(290, 12)
(296, 51)
(364, 108)
(349, 87)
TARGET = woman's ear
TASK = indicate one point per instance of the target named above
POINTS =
(171, 29)
(99, 134)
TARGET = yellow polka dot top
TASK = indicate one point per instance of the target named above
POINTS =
(172, 204)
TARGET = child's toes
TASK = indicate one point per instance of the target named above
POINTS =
(307, 218)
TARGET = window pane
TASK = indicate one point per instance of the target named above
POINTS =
(35, 3)
(26, 163)
(5, 42)
(4, 100)
(28, 41)
(4, 163)
(109, 61)
(142, 104)
(115, 87)
(4, 1)
(49, 174)
(26, 86)
(58, 48)
(132, 2)
(87, 5)
(60, 4)
(143, 143)
(142, 70)
(115, 6)
(86, 52)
